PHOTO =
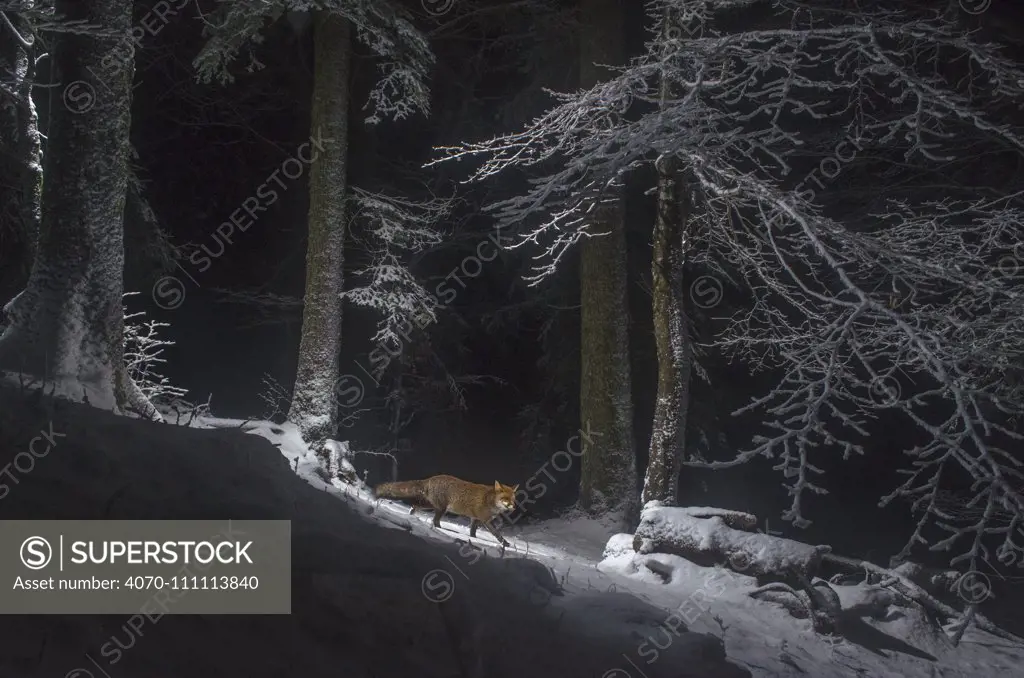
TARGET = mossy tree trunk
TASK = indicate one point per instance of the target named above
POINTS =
(609, 479)
(67, 325)
(314, 408)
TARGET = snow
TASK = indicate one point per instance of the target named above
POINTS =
(569, 597)
(587, 556)
(760, 552)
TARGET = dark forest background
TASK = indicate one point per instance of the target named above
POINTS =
(513, 351)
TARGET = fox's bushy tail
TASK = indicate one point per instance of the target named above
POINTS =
(407, 489)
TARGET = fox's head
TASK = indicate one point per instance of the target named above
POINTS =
(504, 496)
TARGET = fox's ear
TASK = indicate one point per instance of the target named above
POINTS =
(497, 486)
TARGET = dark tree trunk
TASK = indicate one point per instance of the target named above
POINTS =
(67, 326)
(671, 335)
(671, 325)
(608, 480)
(20, 155)
(314, 408)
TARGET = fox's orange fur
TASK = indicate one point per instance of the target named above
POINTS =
(480, 503)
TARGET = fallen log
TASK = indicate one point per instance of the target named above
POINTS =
(737, 520)
(708, 536)
(710, 540)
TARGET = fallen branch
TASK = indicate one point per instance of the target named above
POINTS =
(787, 568)
(903, 585)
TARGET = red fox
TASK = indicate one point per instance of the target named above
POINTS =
(480, 503)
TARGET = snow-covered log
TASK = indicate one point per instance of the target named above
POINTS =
(667, 529)
(737, 520)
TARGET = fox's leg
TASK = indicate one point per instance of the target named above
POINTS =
(493, 529)
(438, 514)
(473, 522)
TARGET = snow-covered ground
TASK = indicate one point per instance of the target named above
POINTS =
(380, 592)
(586, 555)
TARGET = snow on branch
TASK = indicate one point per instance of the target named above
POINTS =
(42, 18)
(142, 351)
(382, 25)
(395, 229)
(920, 305)
(742, 100)
(867, 293)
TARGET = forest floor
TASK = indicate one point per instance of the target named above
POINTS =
(379, 593)
(585, 555)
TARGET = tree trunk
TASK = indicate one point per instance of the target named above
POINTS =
(20, 156)
(609, 480)
(671, 327)
(314, 408)
(67, 325)
(671, 336)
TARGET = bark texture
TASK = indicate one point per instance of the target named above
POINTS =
(20, 155)
(67, 325)
(609, 478)
(314, 407)
(671, 335)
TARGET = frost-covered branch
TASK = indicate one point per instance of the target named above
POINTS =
(743, 100)
(865, 293)
(382, 25)
(393, 229)
(42, 17)
(142, 351)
